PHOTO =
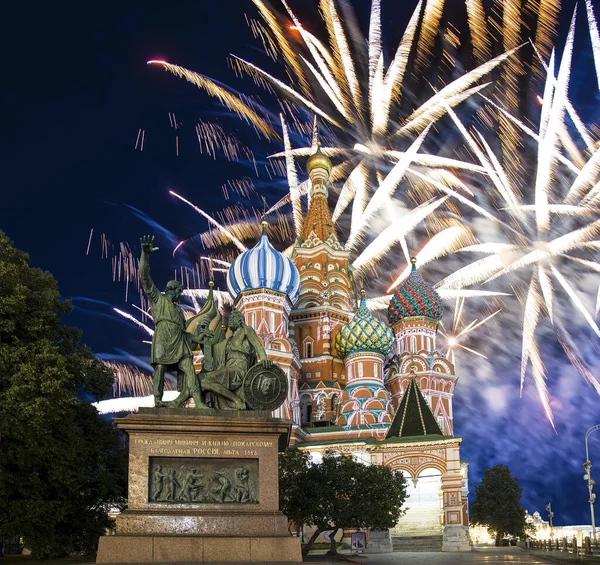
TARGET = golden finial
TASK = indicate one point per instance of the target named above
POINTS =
(318, 160)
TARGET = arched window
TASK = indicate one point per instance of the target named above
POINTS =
(305, 409)
(308, 349)
(334, 404)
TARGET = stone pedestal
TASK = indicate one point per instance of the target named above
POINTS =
(379, 541)
(203, 487)
(456, 538)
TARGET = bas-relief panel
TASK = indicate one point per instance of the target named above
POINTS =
(198, 480)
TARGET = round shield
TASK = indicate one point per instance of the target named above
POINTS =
(265, 388)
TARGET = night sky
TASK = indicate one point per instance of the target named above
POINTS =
(76, 90)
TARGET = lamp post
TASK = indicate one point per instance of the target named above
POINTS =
(588, 477)
(550, 516)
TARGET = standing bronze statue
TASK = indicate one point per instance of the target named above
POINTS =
(171, 343)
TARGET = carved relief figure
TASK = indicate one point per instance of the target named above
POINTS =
(172, 483)
(242, 488)
(158, 483)
(191, 486)
(223, 488)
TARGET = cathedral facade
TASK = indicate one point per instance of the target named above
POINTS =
(381, 393)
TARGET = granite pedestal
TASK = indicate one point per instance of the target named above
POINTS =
(203, 487)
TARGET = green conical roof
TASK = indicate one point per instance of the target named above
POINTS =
(414, 417)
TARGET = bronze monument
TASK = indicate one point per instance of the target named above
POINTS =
(225, 386)
(203, 482)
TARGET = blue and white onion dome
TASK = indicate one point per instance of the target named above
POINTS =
(263, 267)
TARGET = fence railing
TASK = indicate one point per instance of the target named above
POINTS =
(566, 545)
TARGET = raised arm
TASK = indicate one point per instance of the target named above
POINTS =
(147, 243)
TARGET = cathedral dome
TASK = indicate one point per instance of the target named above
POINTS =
(415, 298)
(263, 267)
(318, 160)
(363, 333)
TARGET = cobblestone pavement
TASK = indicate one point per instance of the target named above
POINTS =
(479, 556)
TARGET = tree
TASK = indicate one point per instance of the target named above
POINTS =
(61, 466)
(295, 499)
(339, 493)
(497, 504)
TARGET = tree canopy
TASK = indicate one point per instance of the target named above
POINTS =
(497, 504)
(338, 493)
(61, 466)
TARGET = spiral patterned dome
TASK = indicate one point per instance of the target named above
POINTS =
(415, 298)
(363, 333)
(263, 267)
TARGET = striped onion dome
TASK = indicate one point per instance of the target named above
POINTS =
(363, 333)
(415, 298)
(263, 267)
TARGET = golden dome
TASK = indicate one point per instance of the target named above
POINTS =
(318, 160)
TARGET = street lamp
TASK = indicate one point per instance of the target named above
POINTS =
(588, 477)
(550, 516)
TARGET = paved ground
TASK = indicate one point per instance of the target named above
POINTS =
(479, 556)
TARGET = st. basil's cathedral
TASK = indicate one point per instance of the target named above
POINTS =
(357, 386)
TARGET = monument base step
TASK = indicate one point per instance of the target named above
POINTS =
(198, 549)
(417, 543)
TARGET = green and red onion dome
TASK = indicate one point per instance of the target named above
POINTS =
(415, 298)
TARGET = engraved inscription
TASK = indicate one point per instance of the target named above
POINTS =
(197, 480)
(226, 448)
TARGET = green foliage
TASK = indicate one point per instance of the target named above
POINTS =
(339, 493)
(497, 503)
(295, 487)
(61, 466)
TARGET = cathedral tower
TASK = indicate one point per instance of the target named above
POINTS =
(414, 314)
(264, 285)
(364, 343)
(325, 301)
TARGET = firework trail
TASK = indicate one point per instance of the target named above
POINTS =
(391, 195)
(360, 108)
(130, 380)
(544, 231)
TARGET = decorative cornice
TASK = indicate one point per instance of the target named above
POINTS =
(263, 294)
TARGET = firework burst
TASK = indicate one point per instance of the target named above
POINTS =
(544, 230)
(459, 333)
(392, 195)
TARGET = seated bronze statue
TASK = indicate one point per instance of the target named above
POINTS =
(238, 380)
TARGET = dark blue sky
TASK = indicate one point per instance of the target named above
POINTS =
(76, 90)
